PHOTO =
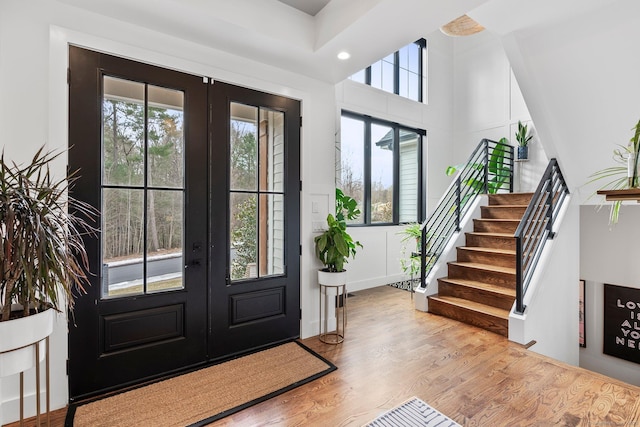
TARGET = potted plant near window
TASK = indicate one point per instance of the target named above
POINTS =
(43, 262)
(334, 246)
(523, 136)
(410, 262)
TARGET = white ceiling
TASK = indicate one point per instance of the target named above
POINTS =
(274, 33)
(310, 7)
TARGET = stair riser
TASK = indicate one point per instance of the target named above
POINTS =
(482, 296)
(502, 260)
(483, 226)
(505, 280)
(493, 242)
(510, 199)
(482, 320)
(497, 212)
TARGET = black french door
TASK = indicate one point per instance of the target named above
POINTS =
(194, 261)
(258, 300)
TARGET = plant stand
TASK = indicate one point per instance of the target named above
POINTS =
(21, 345)
(340, 307)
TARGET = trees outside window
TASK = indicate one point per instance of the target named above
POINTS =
(381, 167)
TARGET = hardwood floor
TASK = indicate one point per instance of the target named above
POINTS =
(478, 378)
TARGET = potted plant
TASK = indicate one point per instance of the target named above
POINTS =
(410, 263)
(624, 176)
(334, 246)
(43, 262)
(497, 167)
(523, 136)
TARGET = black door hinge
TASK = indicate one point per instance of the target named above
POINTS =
(300, 121)
(68, 76)
(300, 185)
(300, 249)
(67, 367)
(300, 313)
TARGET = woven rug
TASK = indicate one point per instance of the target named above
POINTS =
(413, 413)
(203, 396)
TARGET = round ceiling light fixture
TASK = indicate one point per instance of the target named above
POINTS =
(461, 26)
(344, 55)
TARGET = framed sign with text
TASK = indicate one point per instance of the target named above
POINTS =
(621, 323)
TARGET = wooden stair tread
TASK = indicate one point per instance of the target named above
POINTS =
(488, 250)
(473, 306)
(498, 220)
(490, 234)
(481, 285)
(506, 206)
(485, 267)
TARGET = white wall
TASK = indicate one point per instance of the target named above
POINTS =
(378, 263)
(488, 104)
(34, 37)
(607, 255)
(581, 86)
(552, 297)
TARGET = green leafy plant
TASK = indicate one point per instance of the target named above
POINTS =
(411, 239)
(346, 207)
(43, 262)
(334, 246)
(617, 176)
(498, 169)
(523, 136)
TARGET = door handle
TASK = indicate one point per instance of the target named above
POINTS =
(197, 262)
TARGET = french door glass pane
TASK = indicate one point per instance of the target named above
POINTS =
(243, 147)
(122, 241)
(271, 150)
(409, 163)
(165, 138)
(271, 247)
(142, 188)
(381, 174)
(243, 232)
(123, 132)
(164, 258)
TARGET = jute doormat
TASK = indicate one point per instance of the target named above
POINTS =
(203, 396)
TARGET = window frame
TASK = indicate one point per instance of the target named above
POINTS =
(368, 121)
(422, 45)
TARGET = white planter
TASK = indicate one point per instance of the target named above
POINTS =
(329, 278)
(16, 336)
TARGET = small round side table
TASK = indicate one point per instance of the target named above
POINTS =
(340, 307)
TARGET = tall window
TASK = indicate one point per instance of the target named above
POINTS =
(403, 72)
(381, 167)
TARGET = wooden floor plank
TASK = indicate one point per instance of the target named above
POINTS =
(392, 352)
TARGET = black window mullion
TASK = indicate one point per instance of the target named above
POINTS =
(396, 72)
(367, 75)
(421, 183)
(258, 191)
(396, 176)
(145, 196)
(367, 171)
(422, 43)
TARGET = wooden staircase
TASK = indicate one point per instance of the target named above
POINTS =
(480, 287)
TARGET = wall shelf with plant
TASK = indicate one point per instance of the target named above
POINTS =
(622, 181)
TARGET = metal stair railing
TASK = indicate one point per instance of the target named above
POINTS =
(488, 170)
(536, 227)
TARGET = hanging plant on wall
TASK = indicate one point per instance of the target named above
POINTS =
(523, 136)
(625, 175)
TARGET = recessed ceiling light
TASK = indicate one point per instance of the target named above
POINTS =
(344, 55)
